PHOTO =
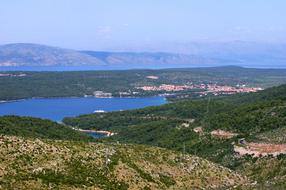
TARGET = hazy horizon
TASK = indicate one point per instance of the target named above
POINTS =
(129, 25)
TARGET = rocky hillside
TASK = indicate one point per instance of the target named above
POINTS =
(43, 164)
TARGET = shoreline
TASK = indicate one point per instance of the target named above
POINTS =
(67, 97)
(13, 106)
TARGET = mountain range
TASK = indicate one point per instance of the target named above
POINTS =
(189, 54)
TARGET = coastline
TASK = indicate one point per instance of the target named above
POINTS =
(85, 96)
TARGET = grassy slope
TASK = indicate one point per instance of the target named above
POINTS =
(69, 165)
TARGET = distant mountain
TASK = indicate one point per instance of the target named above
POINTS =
(155, 58)
(244, 53)
(166, 55)
(237, 48)
(41, 55)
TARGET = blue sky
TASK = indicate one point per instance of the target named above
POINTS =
(103, 24)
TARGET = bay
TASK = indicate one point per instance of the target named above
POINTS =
(57, 108)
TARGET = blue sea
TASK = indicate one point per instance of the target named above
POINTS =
(57, 108)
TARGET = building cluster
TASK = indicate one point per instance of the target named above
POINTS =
(166, 87)
(217, 89)
(208, 88)
(101, 94)
(127, 94)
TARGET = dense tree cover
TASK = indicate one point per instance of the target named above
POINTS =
(172, 126)
(64, 84)
(38, 128)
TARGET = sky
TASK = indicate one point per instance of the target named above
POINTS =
(105, 24)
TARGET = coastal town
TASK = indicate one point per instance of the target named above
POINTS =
(206, 88)
(201, 89)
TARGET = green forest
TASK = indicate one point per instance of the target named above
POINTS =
(81, 83)
(38, 128)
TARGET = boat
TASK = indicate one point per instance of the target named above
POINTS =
(99, 111)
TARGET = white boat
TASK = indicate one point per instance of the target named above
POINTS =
(99, 111)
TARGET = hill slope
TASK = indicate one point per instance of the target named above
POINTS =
(255, 54)
(41, 55)
(212, 129)
(38, 128)
(70, 165)
(156, 59)
(25, 54)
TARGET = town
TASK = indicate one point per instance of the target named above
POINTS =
(207, 88)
